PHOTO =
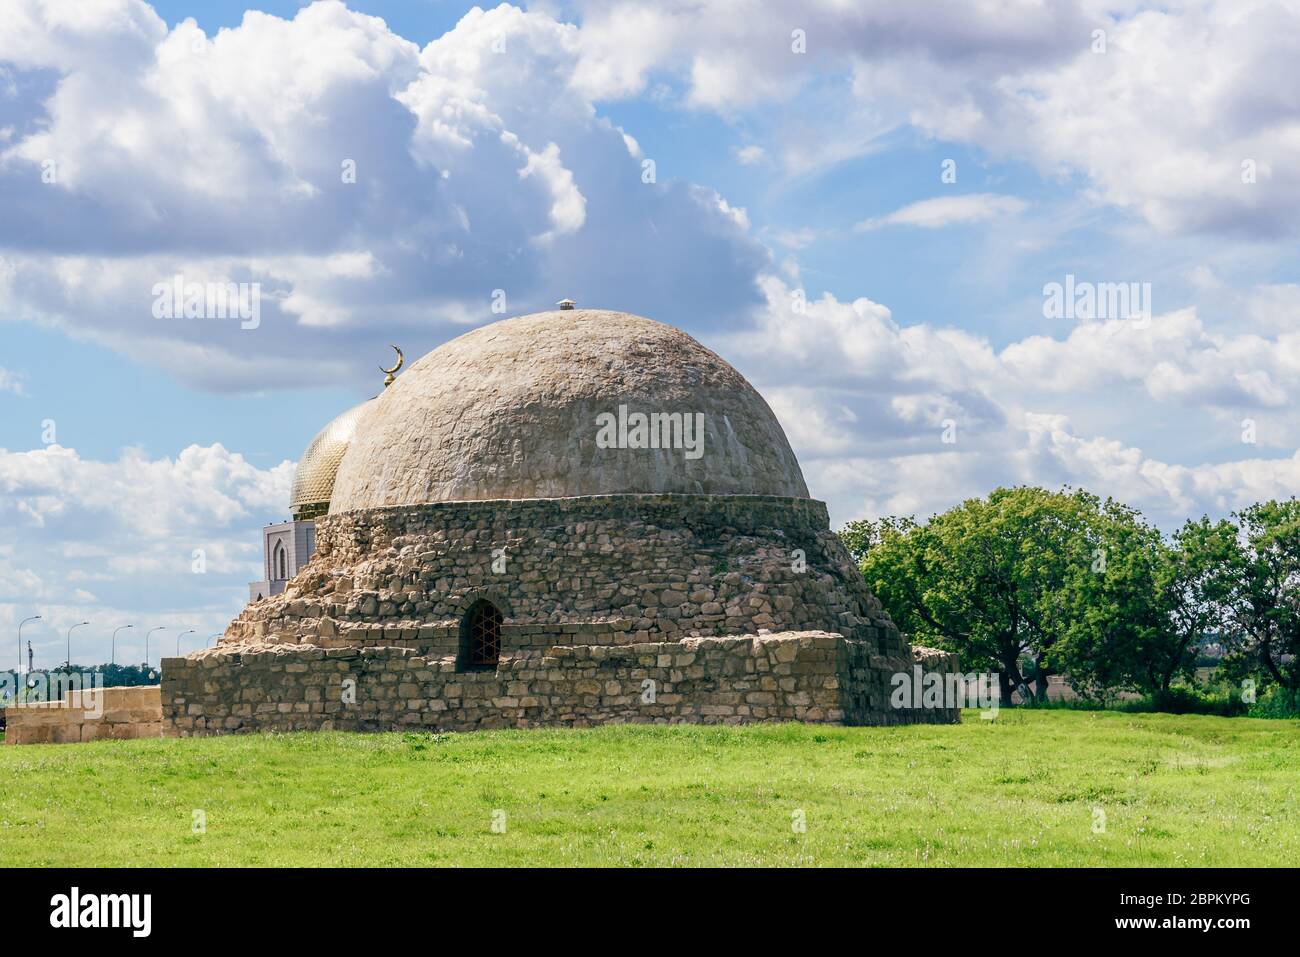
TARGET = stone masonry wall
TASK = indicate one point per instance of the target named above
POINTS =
(867, 684)
(810, 676)
(606, 570)
(122, 713)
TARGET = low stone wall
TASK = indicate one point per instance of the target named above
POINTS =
(117, 714)
(793, 676)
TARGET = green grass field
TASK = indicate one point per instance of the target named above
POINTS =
(1019, 790)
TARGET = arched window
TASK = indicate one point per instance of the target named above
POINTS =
(281, 561)
(480, 637)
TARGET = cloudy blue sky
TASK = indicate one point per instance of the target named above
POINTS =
(798, 150)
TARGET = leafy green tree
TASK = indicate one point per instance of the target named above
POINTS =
(986, 578)
(1137, 616)
(1262, 583)
(859, 536)
(1194, 591)
(1108, 604)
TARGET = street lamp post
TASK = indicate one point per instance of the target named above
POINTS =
(20, 643)
(178, 640)
(217, 635)
(146, 642)
(112, 653)
(77, 625)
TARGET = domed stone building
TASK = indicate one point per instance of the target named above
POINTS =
(564, 518)
(288, 546)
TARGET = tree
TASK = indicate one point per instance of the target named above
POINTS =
(860, 535)
(1136, 617)
(986, 578)
(1262, 585)
(1193, 592)
(1109, 604)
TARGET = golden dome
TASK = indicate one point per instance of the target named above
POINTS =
(313, 480)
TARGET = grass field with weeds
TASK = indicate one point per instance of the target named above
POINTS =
(1023, 789)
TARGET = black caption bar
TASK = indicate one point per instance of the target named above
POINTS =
(141, 907)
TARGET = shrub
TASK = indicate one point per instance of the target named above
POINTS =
(1183, 700)
(1276, 702)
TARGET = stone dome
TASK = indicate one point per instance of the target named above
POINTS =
(313, 479)
(529, 408)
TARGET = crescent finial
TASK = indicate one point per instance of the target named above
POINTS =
(390, 373)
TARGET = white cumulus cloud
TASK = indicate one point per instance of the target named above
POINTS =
(101, 541)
